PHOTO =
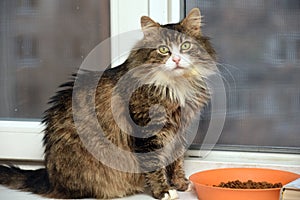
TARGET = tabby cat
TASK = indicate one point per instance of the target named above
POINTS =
(127, 132)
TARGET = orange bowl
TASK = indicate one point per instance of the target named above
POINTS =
(204, 181)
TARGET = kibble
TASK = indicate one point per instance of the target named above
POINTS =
(237, 184)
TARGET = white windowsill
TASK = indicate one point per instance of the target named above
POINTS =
(21, 140)
(191, 165)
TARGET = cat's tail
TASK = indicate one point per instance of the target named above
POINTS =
(35, 181)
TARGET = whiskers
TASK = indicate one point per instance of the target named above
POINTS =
(226, 72)
(209, 70)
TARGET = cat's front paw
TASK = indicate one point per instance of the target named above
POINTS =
(181, 184)
(190, 187)
(170, 195)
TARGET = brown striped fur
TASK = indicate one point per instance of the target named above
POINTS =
(158, 99)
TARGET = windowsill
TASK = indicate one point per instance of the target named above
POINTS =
(216, 159)
(221, 159)
(16, 195)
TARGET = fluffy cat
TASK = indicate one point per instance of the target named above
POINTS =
(127, 133)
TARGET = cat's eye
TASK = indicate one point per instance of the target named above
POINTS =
(163, 49)
(186, 46)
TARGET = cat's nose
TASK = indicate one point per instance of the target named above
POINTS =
(176, 59)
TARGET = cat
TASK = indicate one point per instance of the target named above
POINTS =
(127, 132)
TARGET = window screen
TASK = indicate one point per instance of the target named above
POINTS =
(42, 43)
(258, 47)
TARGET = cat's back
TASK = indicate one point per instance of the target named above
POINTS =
(86, 94)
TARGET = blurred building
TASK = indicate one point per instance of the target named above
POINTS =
(42, 42)
(258, 46)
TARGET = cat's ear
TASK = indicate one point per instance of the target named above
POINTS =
(148, 25)
(192, 22)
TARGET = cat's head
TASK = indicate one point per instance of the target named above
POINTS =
(175, 49)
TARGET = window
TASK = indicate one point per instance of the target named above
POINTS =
(27, 47)
(258, 47)
(40, 51)
(27, 6)
(283, 48)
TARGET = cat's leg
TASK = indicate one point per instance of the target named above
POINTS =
(159, 185)
(177, 175)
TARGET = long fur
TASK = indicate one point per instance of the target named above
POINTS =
(140, 107)
(36, 181)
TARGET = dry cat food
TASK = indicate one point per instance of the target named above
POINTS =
(237, 184)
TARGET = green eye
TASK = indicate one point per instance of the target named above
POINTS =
(163, 49)
(186, 46)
